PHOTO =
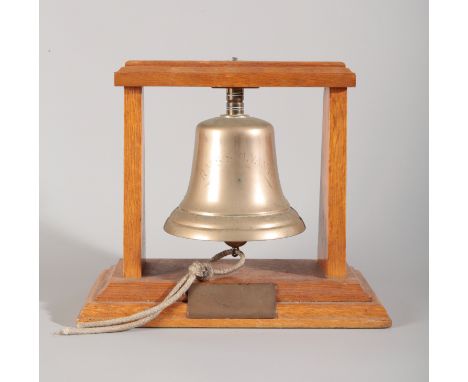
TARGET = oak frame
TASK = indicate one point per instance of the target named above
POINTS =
(325, 293)
(332, 227)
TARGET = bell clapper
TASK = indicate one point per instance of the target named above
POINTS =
(235, 245)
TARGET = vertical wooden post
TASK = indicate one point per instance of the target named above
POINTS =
(332, 220)
(133, 182)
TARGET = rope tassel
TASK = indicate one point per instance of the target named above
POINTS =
(197, 270)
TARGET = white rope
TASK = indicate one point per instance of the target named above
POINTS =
(197, 270)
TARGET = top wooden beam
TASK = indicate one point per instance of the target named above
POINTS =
(246, 74)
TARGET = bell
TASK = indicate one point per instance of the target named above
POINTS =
(234, 194)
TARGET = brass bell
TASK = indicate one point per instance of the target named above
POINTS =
(234, 194)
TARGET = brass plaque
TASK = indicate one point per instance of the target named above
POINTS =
(206, 300)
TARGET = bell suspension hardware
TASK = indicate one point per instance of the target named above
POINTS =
(235, 101)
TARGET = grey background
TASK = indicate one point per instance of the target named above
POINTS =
(81, 137)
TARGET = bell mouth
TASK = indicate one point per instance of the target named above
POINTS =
(234, 228)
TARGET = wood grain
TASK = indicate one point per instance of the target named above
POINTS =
(133, 182)
(368, 314)
(234, 74)
(297, 315)
(332, 211)
(297, 280)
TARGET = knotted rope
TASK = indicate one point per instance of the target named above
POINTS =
(197, 270)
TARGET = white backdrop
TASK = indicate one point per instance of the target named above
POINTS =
(81, 170)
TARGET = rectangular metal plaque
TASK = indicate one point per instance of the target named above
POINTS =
(206, 300)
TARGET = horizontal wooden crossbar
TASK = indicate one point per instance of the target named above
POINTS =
(235, 74)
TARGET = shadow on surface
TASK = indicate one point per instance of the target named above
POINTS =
(68, 269)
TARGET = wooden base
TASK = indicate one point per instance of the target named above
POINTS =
(305, 297)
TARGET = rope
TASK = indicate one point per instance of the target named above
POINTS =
(197, 270)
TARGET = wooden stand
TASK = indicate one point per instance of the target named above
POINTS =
(323, 293)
